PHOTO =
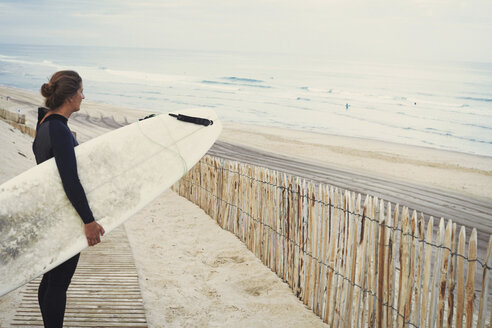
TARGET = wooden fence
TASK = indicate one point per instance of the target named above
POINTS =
(18, 121)
(354, 261)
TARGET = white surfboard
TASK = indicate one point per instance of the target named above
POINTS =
(121, 172)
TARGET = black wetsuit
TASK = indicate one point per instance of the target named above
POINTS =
(54, 139)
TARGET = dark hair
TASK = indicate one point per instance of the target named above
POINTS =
(62, 85)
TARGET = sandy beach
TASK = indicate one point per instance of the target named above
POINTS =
(192, 273)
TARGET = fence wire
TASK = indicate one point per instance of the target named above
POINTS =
(306, 196)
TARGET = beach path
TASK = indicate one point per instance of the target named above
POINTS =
(105, 290)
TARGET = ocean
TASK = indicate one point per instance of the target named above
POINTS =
(443, 105)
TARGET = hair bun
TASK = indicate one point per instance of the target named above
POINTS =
(47, 90)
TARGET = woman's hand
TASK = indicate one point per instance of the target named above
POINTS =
(93, 232)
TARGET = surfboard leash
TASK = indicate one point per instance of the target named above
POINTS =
(192, 119)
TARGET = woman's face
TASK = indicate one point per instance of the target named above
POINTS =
(77, 98)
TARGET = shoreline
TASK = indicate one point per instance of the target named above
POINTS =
(92, 108)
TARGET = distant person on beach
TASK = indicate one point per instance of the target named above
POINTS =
(63, 96)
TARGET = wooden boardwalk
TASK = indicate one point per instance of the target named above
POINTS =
(104, 292)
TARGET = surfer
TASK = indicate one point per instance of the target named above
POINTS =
(63, 96)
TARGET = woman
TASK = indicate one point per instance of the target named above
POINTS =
(63, 96)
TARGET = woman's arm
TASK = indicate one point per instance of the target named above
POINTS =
(62, 143)
(63, 147)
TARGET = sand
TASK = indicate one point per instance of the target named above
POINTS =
(447, 170)
(193, 273)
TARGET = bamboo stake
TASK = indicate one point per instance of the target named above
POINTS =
(470, 281)
(404, 267)
(256, 222)
(276, 219)
(365, 282)
(310, 250)
(436, 276)
(452, 276)
(344, 269)
(387, 293)
(268, 219)
(225, 196)
(260, 230)
(299, 262)
(444, 273)
(242, 202)
(344, 264)
(346, 259)
(332, 278)
(381, 262)
(324, 255)
(361, 269)
(319, 243)
(273, 222)
(312, 242)
(393, 295)
(305, 231)
(289, 228)
(374, 263)
(293, 226)
(460, 286)
(427, 270)
(267, 230)
(419, 270)
(285, 227)
(229, 197)
(353, 260)
(411, 271)
(340, 259)
(330, 260)
(485, 287)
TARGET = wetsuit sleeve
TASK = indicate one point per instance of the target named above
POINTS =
(62, 143)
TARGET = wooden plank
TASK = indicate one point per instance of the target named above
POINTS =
(392, 290)
(320, 242)
(386, 266)
(354, 220)
(411, 270)
(374, 263)
(110, 298)
(323, 240)
(426, 283)
(332, 261)
(345, 267)
(460, 284)
(436, 275)
(415, 318)
(292, 230)
(470, 281)
(297, 237)
(359, 271)
(338, 218)
(485, 287)
(404, 267)
(444, 273)
(312, 249)
(452, 277)
(381, 267)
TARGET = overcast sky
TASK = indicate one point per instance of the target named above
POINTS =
(419, 29)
